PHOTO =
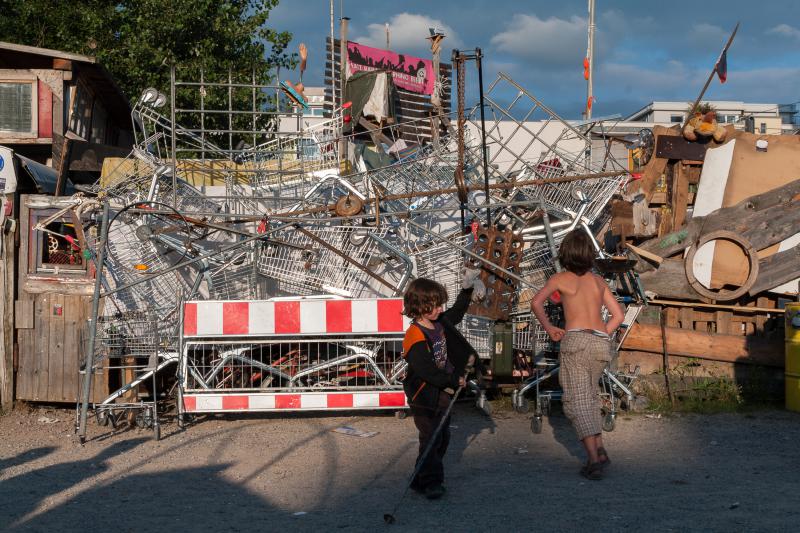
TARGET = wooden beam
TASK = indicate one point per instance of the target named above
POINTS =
(62, 168)
(680, 195)
(62, 64)
(737, 308)
(657, 259)
(7, 276)
(777, 269)
(707, 346)
(764, 219)
(669, 281)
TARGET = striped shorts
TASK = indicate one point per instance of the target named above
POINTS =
(584, 356)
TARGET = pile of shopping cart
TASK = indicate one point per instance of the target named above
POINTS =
(230, 257)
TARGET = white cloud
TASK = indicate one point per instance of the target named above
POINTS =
(785, 30)
(408, 32)
(547, 41)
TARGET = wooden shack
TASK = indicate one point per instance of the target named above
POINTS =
(61, 115)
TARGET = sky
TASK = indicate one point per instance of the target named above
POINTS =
(644, 50)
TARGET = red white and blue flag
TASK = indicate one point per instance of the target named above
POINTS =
(722, 66)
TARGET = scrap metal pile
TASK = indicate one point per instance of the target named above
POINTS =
(284, 219)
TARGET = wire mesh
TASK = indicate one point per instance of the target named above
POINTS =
(296, 365)
(351, 261)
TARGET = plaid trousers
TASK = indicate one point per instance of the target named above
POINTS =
(583, 358)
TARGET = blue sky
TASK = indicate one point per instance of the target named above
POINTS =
(644, 50)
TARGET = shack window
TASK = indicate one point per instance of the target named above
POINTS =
(80, 120)
(676, 119)
(16, 109)
(55, 249)
(763, 128)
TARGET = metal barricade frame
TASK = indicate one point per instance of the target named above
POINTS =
(291, 354)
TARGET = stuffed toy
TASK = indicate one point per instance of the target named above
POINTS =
(704, 125)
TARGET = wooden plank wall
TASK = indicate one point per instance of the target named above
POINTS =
(714, 336)
(51, 348)
(413, 110)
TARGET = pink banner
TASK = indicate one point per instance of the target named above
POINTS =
(410, 73)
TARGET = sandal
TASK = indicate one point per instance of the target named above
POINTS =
(593, 471)
(605, 460)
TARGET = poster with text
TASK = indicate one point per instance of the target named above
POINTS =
(410, 73)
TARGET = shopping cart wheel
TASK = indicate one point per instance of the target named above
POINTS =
(536, 424)
(101, 415)
(400, 415)
(523, 404)
(609, 421)
(578, 193)
(144, 419)
(545, 400)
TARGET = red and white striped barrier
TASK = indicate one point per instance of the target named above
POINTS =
(301, 401)
(294, 317)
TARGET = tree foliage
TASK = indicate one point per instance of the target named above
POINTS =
(138, 40)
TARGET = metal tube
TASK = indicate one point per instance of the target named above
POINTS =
(172, 135)
(89, 368)
(478, 56)
(342, 76)
(590, 57)
(230, 109)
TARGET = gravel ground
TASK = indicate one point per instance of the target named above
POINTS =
(728, 472)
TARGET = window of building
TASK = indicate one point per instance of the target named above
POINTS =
(727, 119)
(676, 119)
(763, 128)
(17, 112)
(56, 249)
(80, 120)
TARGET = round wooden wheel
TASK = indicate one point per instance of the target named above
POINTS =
(348, 206)
(722, 295)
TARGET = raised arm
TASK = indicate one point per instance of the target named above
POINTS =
(615, 309)
(537, 306)
(455, 314)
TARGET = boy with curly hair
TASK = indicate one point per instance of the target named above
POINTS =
(438, 356)
(586, 346)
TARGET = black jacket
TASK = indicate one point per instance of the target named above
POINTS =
(424, 380)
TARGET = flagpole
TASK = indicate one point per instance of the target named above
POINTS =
(710, 76)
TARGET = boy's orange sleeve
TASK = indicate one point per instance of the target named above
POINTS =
(412, 337)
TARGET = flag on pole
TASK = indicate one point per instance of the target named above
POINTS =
(722, 66)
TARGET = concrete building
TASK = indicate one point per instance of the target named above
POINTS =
(315, 96)
(771, 119)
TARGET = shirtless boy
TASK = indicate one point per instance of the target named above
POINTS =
(585, 342)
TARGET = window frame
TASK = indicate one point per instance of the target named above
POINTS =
(37, 241)
(33, 81)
